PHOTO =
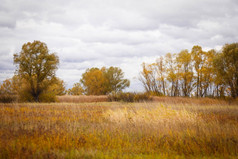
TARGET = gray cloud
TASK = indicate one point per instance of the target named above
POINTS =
(113, 33)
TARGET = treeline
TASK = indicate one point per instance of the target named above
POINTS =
(35, 80)
(94, 81)
(197, 73)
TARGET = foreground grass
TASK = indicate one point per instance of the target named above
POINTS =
(118, 130)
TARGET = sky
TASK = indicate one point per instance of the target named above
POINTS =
(119, 33)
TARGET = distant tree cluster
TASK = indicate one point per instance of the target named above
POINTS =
(197, 73)
(102, 81)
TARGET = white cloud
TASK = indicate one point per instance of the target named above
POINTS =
(113, 33)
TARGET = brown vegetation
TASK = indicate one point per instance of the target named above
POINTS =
(194, 101)
(119, 130)
(81, 98)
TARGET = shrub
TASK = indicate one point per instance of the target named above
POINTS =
(129, 97)
(7, 98)
(47, 97)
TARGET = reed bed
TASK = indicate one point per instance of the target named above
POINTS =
(118, 130)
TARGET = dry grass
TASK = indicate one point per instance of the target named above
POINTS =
(196, 101)
(118, 130)
(170, 100)
(81, 99)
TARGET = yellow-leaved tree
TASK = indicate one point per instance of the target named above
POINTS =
(226, 67)
(103, 81)
(184, 61)
(77, 89)
(36, 69)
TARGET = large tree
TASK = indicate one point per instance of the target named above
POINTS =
(114, 78)
(226, 64)
(184, 62)
(103, 81)
(198, 60)
(36, 66)
(94, 82)
(148, 78)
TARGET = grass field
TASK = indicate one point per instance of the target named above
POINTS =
(173, 128)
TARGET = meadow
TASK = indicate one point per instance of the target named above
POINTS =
(164, 128)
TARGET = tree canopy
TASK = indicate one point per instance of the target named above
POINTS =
(226, 64)
(36, 67)
(102, 81)
(77, 89)
(197, 73)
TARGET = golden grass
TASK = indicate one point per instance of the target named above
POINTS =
(81, 99)
(197, 101)
(170, 100)
(118, 130)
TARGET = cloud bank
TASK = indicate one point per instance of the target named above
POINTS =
(122, 33)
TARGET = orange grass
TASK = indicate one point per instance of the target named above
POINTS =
(118, 130)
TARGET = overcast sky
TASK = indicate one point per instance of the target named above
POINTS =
(122, 33)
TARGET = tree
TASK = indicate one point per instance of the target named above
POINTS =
(184, 61)
(207, 78)
(57, 87)
(161, 74)
(77, 89)
(7, 87)
(94, 82)
(148, 79)
(114, 78)
(102, 81)
(198, 59)
(7, 91)
(172, 73)
(36, 66)
(226, 67)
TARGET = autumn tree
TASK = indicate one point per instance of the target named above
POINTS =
(198, 59)
(6, 87)
(161, 74)
(172, 74)
(226, 64)
(36, 66)
(184, 61)
(8, 92)
(219, 81)
(57, 87)
(77, 89)
(114, 79)
(148, 77)
(102, 81)
(208, 75)
(94, 82)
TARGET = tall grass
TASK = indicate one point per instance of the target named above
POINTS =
(129, 97)
(81, 99)
(118, 130)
